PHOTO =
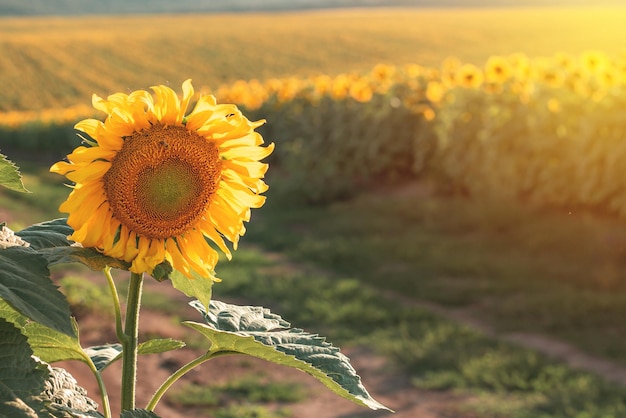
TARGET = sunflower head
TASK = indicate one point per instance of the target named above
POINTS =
(157, 184)
(469, 76)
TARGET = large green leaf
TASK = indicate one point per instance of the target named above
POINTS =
(198, 287)
(33, 389)
(10, 176)
(21, 377)
(13, 407)
(255, 331)
(25, 285)
(47, 344)
(47, 234)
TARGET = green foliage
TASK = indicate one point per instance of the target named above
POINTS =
(26, 286)
(195, 395)
(198, 287)
(47, 234)
(250, 388)
(30, 388)
(10, 176)
(257, 332)
(103, 355)
(333, 148)
(21, 377)
(47, 343)
(499, 146)
(254, 388)
(437, 354)
(159, 345)
(513, 261)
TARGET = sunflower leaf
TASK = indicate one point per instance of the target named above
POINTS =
(159, 345)
(10, 176)
(22, 379)
(47, 344)
(103, 355)
(47, 234)
(198, 287)
(255, 331)
(26, 286)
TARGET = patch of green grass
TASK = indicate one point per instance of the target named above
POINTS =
(241, 397)
(194, 395)
(255, 388)
(520, 268)
(438, 354)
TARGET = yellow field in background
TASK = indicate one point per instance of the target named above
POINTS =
(56, 62)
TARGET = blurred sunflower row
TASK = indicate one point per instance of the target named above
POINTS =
(549, 130)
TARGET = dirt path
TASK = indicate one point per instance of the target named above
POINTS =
(551, 347)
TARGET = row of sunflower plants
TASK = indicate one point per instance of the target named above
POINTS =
(156, 190)
(545, 129)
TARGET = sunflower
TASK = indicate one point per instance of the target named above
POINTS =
(469, 76)
(153, 184)
(497, 70)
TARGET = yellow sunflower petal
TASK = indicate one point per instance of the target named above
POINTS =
(187, 95)
(177, 259)
(167, 105)
(248, 153)
(254, 169)
(62, 168)
(208, 229)
(91, 154)
(89, 172)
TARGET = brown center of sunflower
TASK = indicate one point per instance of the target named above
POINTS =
(162, 180)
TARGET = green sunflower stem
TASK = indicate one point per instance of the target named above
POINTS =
(129, 342)
(119, 330)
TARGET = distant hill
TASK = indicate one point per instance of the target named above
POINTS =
(80, 7)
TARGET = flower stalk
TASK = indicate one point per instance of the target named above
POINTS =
(119, 330)
(129, 342)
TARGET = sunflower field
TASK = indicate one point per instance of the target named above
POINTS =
(545, 130)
